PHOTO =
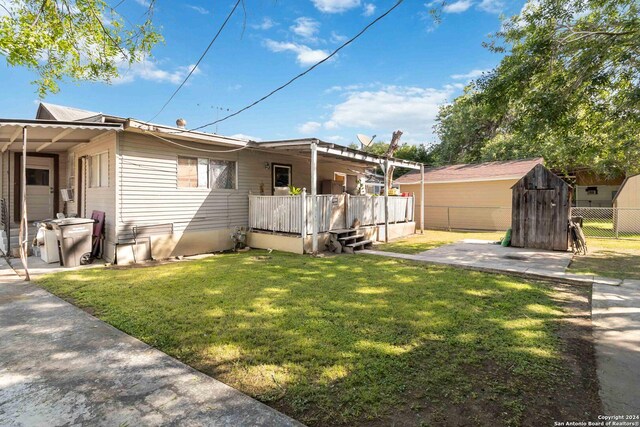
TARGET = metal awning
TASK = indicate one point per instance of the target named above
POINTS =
(303, 146)
(50, 135)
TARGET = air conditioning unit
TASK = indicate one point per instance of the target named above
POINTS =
(67, 194)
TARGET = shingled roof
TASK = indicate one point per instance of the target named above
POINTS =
(490, 171)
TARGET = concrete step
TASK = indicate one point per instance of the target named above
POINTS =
(353, 237)
(360, 244)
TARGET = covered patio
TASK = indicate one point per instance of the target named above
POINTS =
(37, 162)
(302, 222)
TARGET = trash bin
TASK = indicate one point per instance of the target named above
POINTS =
(74, 239)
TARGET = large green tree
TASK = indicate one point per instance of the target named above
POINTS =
(567, 89)
(72, 39)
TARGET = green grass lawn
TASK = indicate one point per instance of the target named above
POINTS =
(353, 340)
(616, 258)
(434, 238)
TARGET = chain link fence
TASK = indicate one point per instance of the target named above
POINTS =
(605, 223)
(471, 218)
(609, 223)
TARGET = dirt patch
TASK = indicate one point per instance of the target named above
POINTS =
(572, 397)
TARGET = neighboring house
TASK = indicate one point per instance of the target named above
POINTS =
(167, 191)
(592, 190)
(627, 202)
(468, 196)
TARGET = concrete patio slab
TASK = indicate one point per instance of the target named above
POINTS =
(474, 252)
(616, 321)
(61, 366)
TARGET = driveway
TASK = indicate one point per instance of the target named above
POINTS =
(61, 366)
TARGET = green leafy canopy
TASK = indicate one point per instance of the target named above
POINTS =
(568, 89)
(76, 39)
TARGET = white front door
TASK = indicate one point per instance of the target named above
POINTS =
(39, 188)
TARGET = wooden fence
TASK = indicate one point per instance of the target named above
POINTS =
(294, 214)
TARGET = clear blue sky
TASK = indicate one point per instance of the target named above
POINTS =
(394, 77)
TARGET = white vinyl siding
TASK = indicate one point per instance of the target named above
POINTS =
(150, 194)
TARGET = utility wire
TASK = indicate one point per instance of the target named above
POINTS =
(308, 70)
(193, 69)
(196, 148)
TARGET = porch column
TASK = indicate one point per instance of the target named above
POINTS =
(422, 198)
(24, 224)
(387, 182)
(314, 198)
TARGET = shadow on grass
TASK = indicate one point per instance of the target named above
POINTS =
(351, 339)
(608, 263)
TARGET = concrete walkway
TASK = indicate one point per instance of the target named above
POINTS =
(616, 330)
(486, 256)
(61, 366)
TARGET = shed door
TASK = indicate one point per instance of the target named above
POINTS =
(541, 218)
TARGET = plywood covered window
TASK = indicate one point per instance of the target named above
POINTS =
(99, 170)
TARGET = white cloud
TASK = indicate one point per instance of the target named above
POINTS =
(336, 139)
(492, 6)
(337, 38)
(236, 86)
(243, 137)
(150, 71)
(335, 6)
(471, 75)
(304, 54)
(200, 10)
(412, 109)
(306, 28)
(309, 128)
(369, 9)
(144, 3)
(266, 24)
(457, 6)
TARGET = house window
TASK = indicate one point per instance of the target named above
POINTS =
(222, 174)
(341, 179)
(99, 170)
(206, 173)
(281, 176)
(71, 172)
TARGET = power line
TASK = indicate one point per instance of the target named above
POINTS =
(308, 70)
(193, 69)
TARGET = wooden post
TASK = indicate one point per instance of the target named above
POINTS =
(24, 224)
(303, 227)
(346, 211)
(314, 196)
(387, 183)
(422, 198)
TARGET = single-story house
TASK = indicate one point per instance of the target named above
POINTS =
(468, 196)
(168, 191)
(627, 204)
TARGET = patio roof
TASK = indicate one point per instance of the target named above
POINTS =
(50, 135)
(335, 151)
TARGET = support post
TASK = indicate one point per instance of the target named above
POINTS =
(422, 198)
(303, 225)
(314, 197)
(24, 225)
(387, 183)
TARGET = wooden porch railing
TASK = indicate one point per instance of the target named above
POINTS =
(293, 214)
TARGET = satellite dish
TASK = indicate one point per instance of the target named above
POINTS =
(365, 140)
